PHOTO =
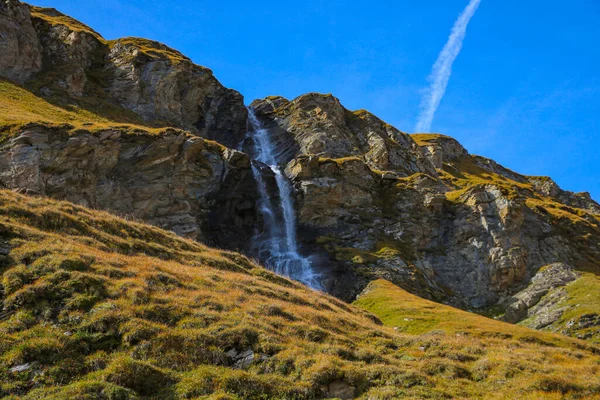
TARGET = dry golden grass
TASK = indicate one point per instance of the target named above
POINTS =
(423, 139)
(20, 108)
(106, 308)
(152, 49)
(512, 353)
(54, 17)
(465, 174)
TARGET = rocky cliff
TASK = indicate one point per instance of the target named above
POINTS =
(70, 64)
(135, 127)
(422, 212)
(171, 178)
(194, 187)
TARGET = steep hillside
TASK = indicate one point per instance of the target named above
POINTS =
(94, 306)
(562, 296)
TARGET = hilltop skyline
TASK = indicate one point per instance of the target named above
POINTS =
(524, 90)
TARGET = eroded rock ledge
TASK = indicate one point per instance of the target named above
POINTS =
(172, 179)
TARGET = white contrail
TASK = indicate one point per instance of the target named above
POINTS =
(442, 69)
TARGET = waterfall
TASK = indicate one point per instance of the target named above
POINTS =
(276, 245)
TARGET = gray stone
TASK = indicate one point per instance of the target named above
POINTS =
(21, 368)
(173, 180)
(339, 389)
(19, 45)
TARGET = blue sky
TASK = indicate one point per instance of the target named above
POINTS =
(525, 89)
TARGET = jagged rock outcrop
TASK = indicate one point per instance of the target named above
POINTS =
(548, 187)
(443, 149)
(21, 52)
(533, 300)
(69, 52)
(168, 178)
(161, 84)
(319, 125)
(174, 180)
(68, 62)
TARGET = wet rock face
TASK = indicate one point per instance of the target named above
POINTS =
(173, 180)
(19, 46)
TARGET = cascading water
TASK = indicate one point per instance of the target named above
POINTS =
(276, 245)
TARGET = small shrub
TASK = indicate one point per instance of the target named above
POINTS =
(162, 314)
(447, 369)
(81, 301)
(183, 350)
(141, 377)
(274, 310)
(198, 320)
(324, 371)
(136, 330)
(44, 349)
(384, 393)
(315, 334)
(97, 361)
(85, 390)
(162, 282)
(218, 381)
(21, 321)
(65, 371)
(112, 272)
(15, 279)
(408, 379)
(558, 384)
(481, 370)
(535, 339)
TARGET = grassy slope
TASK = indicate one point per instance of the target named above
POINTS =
(507, 346)
(582, 302)
(20, 107)
(411, 314)
(106, 308)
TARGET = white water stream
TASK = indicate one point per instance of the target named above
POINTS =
(277, 246)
